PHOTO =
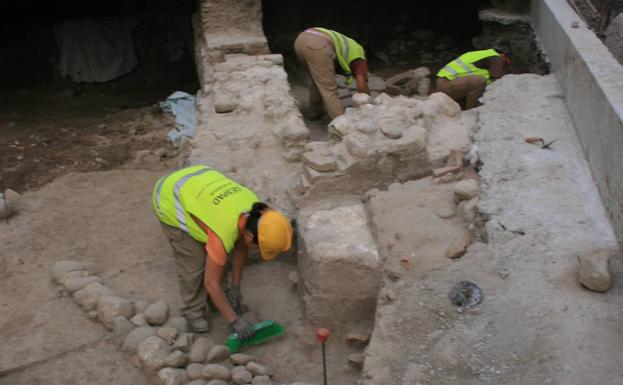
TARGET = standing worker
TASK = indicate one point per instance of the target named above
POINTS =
(318, 49)
(206, 217)
(465, 78)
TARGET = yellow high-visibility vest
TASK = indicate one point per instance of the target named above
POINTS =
(346, 50)
(208, 195)
(464, 65)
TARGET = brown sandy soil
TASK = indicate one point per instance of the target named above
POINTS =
(45, 133)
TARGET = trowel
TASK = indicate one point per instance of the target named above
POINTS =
(264, 331)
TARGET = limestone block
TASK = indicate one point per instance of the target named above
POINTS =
(172, 376)
(337, 243)
(153, 352)
(358, 145)
(88, 296)
(322, 148)
(215, 371)
(392, 131)
(359, 99)
(62, 267)
(593, 270)
(338, 127)
(383, 100)
(110, 307)
(319, 162)
(446, 105)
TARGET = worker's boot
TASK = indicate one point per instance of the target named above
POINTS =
(198, 325)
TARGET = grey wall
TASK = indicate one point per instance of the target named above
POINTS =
(592, 82)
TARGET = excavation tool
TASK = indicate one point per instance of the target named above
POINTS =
(322, 335)
(541, 141)
(264, 331)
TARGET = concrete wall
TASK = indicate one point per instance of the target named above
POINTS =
(592, 82)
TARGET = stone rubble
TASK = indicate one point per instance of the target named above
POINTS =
(240, 375)
(153, 352)
(157, 313)
(110, 307)
(216, 371)
(593, 271)
(172, 376)
(218, 353)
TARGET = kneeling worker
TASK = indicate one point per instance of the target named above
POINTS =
(206, 217)
(465, 78)
(317, 49)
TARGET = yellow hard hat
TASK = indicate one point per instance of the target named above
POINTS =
(274, 234)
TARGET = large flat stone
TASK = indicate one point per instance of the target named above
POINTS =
(340, 263)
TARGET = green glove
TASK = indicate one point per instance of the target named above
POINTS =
(235, 298)
(243, 328)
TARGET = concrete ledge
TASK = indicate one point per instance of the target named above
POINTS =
(592, 83)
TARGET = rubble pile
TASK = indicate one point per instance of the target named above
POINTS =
(383, 140)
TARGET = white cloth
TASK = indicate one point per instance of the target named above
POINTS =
(182, 105)
(96, 51)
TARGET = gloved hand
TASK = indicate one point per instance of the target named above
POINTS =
(235, 298)
(243, 328)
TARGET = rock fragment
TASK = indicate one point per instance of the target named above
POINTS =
(216, 382)
(157, 313)
(241, 358)
(359, 99)
(171, 376)
(121, 328)
(139, 320)
(293, 277)
(466, 189)
(356, 360)
(194, 371)
(153, 352)
(73, 284)
(446, 213)
(218, 353)
(88, 296)
(140, 306)
(183, 343)
(62, 267)
(179, 323)
(240, 375)
(358, 340)
(136, 337)
(459, 246)
(197, 382)
(176, 359)
(168, 334)
(200, 349)
(392, 131)
(593, 270)
(215, 371)
(262, 380)
(110, 307)
(319, 162)
(259, 370)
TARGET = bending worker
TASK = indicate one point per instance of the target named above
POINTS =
(318, 49)
(206, 217)
(465, 78)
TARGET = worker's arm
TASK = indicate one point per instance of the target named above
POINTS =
(239, 256)
(212, 282)
(359, 68)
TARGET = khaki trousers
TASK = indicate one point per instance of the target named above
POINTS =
(317, 54)
(190, 256)
(468, 88)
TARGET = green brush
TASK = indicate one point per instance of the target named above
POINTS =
(263, 331)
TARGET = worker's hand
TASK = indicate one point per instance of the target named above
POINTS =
(243, 328)
(235, 298)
